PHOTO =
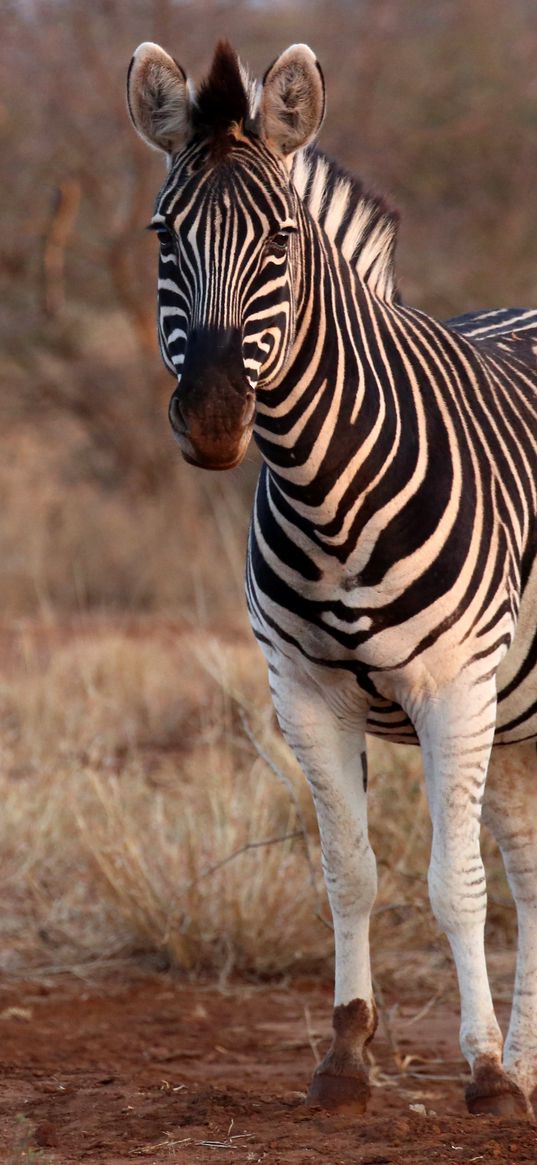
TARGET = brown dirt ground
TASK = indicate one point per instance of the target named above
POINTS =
(162, 1071)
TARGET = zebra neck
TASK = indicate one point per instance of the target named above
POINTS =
(331, 398)
(358, 222)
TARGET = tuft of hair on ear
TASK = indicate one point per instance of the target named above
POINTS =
(222, 99)
(158, 98)
(292, 100)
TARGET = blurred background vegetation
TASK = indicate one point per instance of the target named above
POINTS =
(128, 773)
(433, 104)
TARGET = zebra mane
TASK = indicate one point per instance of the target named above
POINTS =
(224, 97)
(361, 224)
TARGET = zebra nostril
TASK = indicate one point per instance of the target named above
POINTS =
(177, 419)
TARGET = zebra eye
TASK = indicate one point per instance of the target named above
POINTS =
(164, 233)
(279, 240)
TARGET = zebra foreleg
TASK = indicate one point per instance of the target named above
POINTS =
(510, 812)
(328, 740)
(456, 731)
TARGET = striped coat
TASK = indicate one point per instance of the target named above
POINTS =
(391, 576)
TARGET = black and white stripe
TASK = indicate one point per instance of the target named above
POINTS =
(392, 558)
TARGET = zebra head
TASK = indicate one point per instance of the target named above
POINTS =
(228, 220)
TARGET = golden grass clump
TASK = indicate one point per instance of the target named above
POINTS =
(128, 777)
(80, 535)
(152, 810)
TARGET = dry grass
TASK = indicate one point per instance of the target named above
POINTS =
(71, 542)
(135, 802)
(127, 776)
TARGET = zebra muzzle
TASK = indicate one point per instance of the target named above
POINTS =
(212, 452)
(212, 411)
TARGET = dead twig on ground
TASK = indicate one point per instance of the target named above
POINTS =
(312, 1039)
(242, 850)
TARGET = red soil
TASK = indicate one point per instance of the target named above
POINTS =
(161, 1071)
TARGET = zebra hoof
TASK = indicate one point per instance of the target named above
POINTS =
(339, 1094)
(491, 1092)
(503, 1104)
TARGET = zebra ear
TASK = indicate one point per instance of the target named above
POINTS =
(292, 100)
(159, 98)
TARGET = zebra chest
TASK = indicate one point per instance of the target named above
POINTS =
(323, 618)
(394, 639)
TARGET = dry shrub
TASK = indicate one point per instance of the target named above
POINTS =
(138, 801)
(100, 698)
(130, 778)
(127, 772)
(68, 544)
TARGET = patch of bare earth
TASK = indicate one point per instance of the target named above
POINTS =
(163, 1071)
(153, 818)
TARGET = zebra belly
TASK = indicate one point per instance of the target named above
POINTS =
(517, 700)
(316, 650)
(517, 674)
(517, 712)
(517, 681)
(517, 686)
(388, 721)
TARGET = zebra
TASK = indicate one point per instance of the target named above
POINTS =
(391, 573)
